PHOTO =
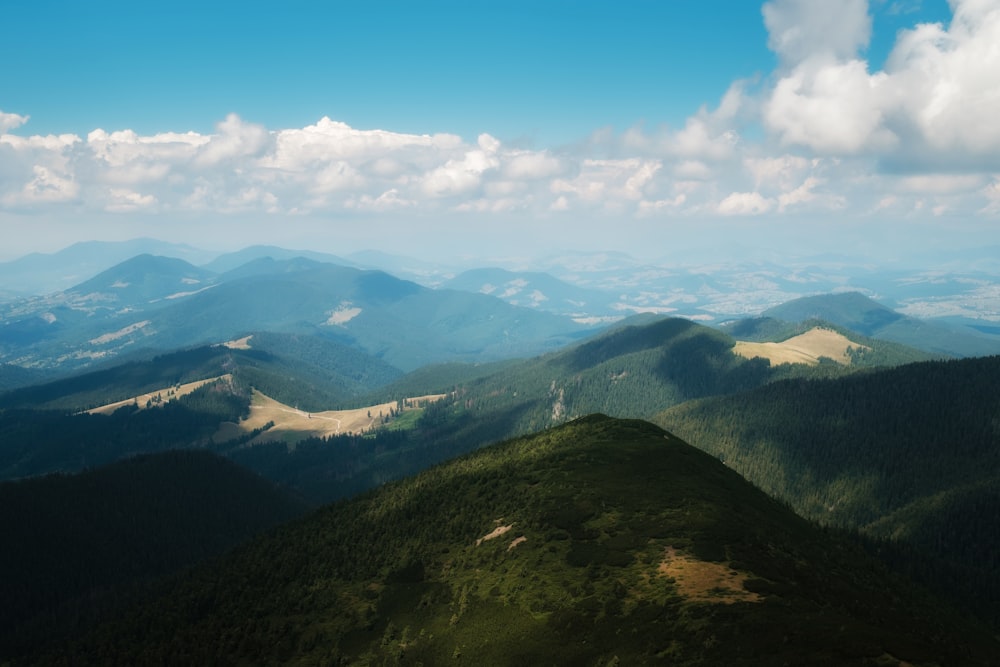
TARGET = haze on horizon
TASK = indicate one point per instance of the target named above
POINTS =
(657, 129)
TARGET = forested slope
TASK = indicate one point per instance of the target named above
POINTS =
(599, 542)
(910, 454)
(79, 545)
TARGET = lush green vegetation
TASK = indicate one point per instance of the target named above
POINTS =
(79, 545)
(907, 455)
(625, 545)
(314, 372)
(120, 382)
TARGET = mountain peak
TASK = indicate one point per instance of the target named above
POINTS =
(599, 541)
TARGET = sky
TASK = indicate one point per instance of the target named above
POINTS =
(452, 128)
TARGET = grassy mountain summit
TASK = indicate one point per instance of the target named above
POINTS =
(598, 542)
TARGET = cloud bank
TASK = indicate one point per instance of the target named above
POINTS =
(823, 134)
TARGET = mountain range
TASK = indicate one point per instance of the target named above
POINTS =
(601, 541)
(607, 538)
(162, 304)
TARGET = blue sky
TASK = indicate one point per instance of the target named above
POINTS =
(458, 126)
(547, 71)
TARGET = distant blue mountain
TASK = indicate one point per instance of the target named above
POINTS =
(43, 273)
(163, 303)
(233, 260)
(540, 291)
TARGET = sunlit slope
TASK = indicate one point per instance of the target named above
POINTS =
(599, 542)
(806, 348)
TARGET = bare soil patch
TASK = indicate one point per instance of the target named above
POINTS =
(704, 581)
(497, 532)
(239, 343)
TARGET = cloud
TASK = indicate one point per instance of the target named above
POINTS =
(933, 103)
(10, 121)
(49, 186)
(462, 176)
(824, 131)
(127, 201)
(234, 139)
(801, 29)
(745, 203)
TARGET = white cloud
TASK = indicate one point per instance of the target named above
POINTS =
(745, 203)
(830, 107)
(608, 180)
(800, 195)
(799, 29)
(127, 201)
(661, 205)
(235, 139)
(387, 201)
(10, 121)
(459, 177)
(992, 194)
(781, 171)
(49, 186)
(527, 165)
(824, 131)
(935, 102)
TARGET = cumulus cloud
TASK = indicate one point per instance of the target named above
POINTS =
(745, 203)
(121, 200)
(801, 29)
(934, 101)
(10, 121)
(234, 139)
(824, 132)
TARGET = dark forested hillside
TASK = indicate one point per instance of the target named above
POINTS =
(36, 442)
(599, 542)
(76, 545)
(910, 454)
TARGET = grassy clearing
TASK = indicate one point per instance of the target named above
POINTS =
(805, 348)
(704, 581)
(158, 397)
(290, 424)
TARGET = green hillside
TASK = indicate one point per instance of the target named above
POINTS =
(858, 313)
(908, 454)
(78, 545)
(600, 542)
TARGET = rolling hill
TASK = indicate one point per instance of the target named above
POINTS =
(599, 542)
(859, 313)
